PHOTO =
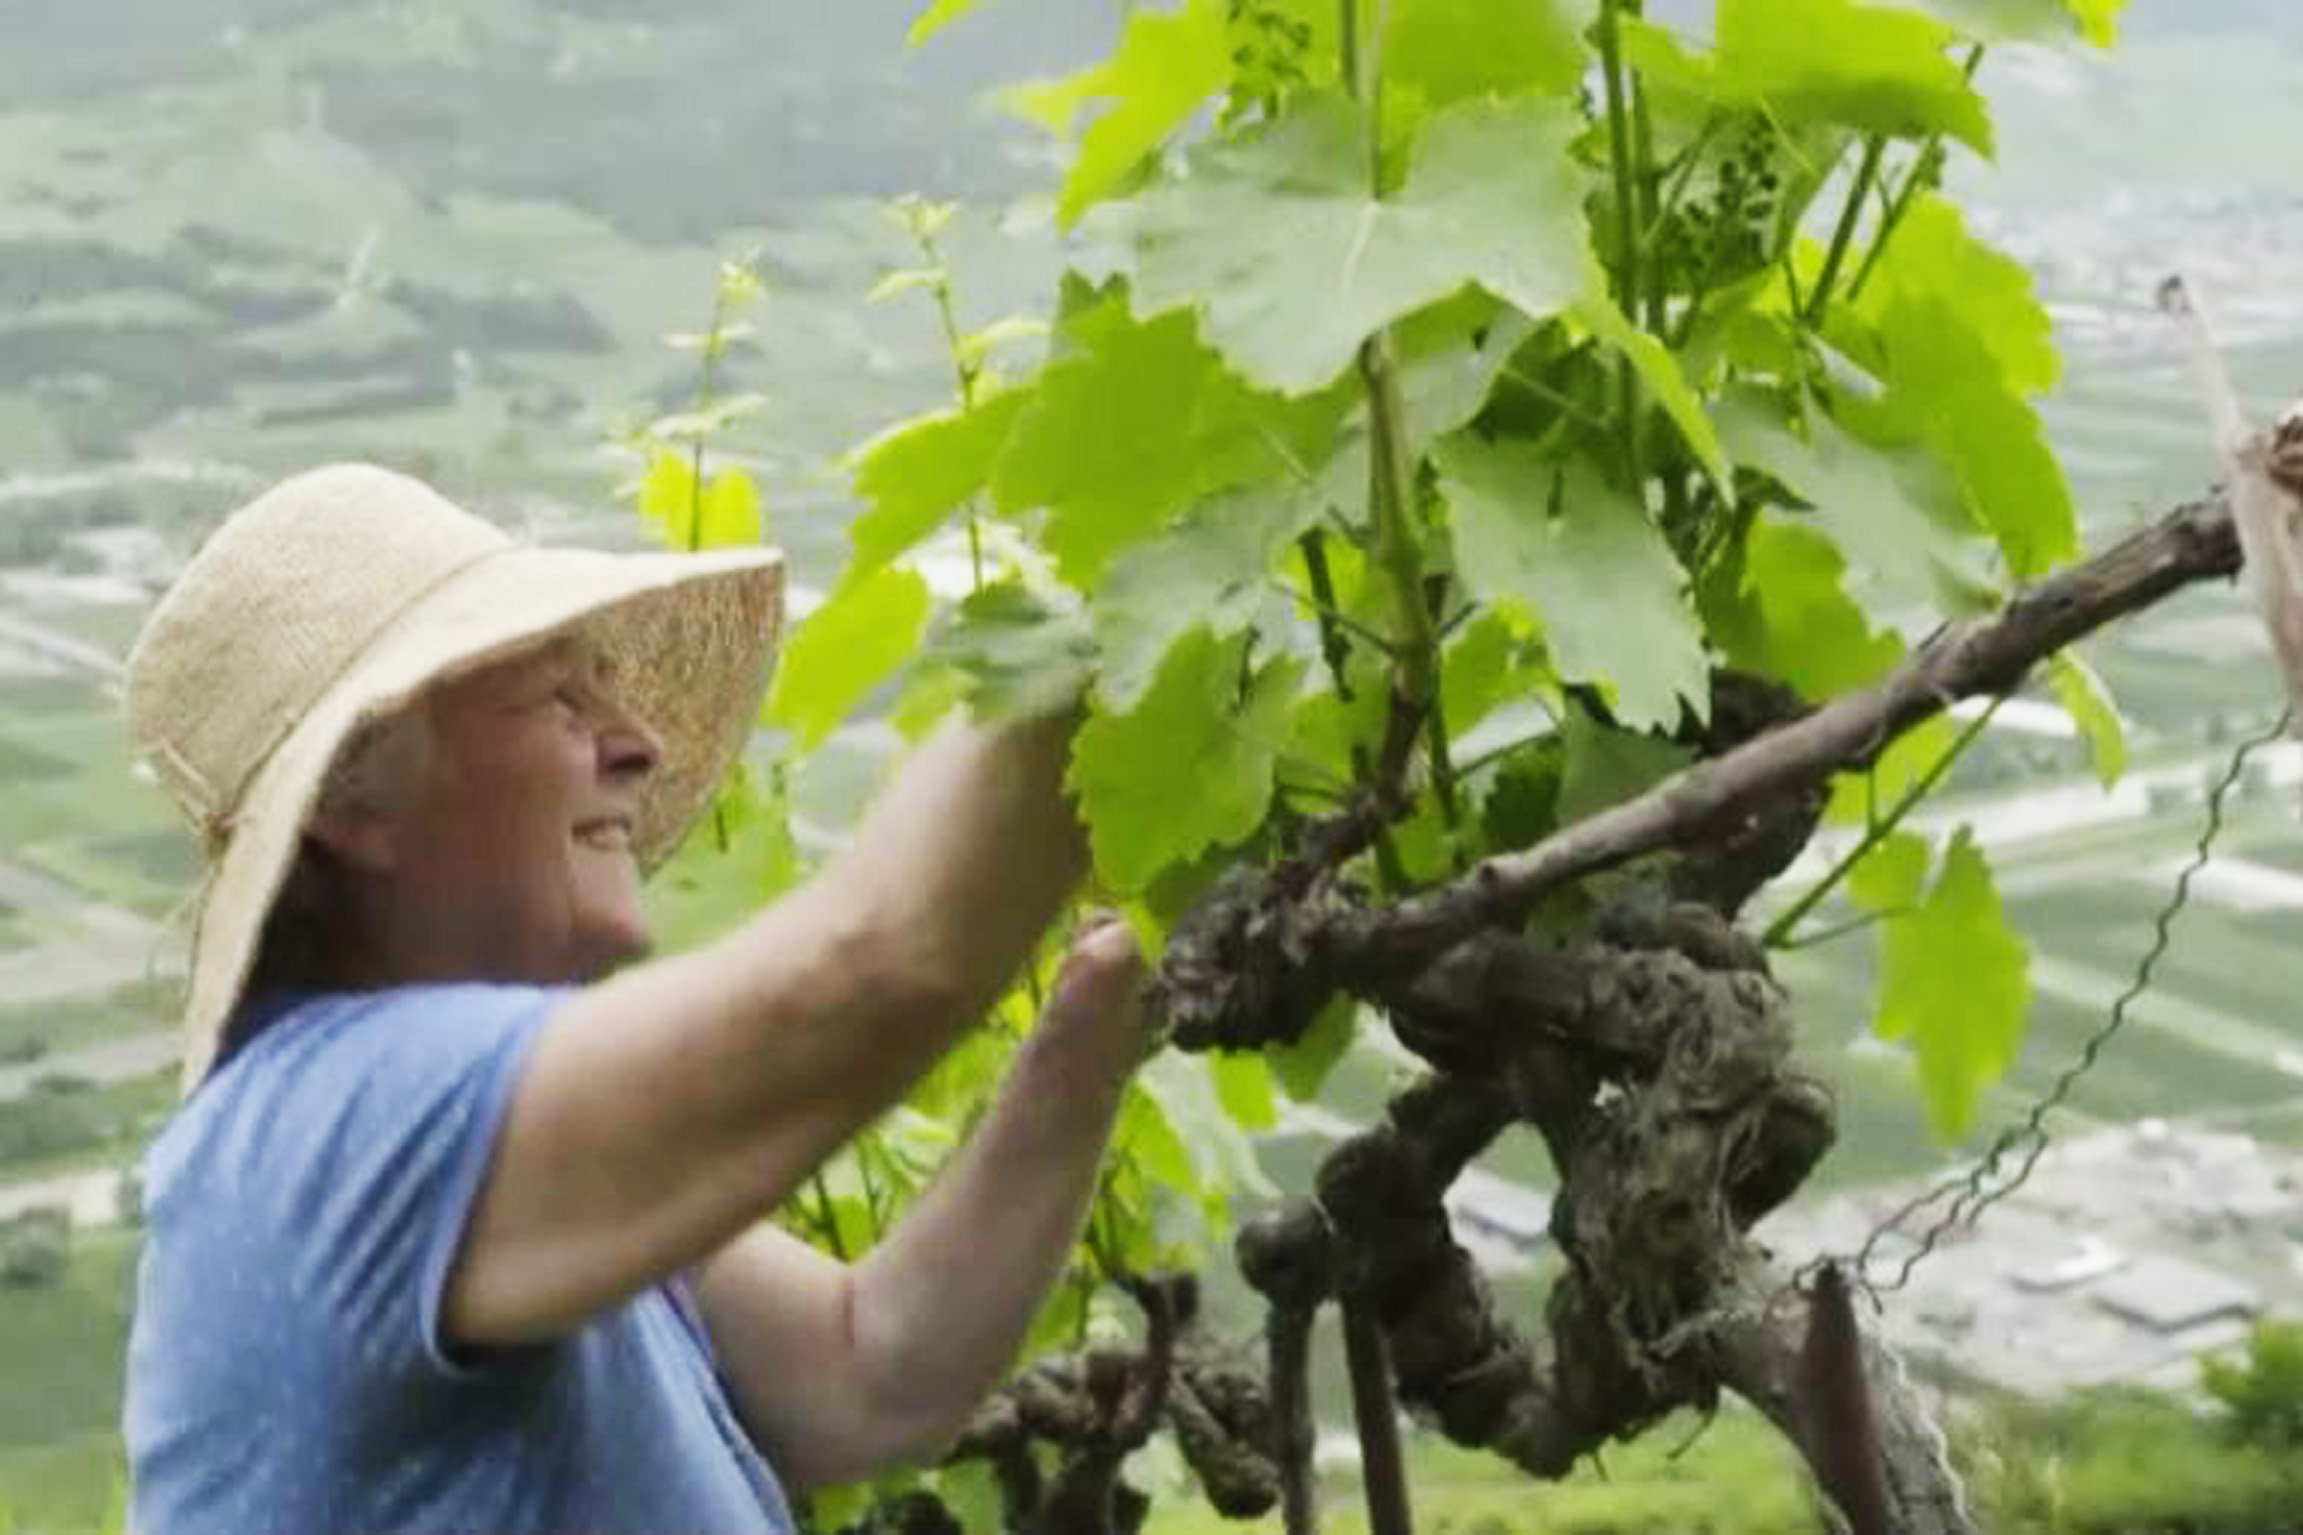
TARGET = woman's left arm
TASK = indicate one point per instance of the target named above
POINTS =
(841, 1371)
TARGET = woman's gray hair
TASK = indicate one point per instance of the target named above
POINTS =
(312, 923)
(378, 767)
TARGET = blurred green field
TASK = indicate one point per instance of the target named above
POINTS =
(67, 1023)
(77, 812)
(123, 1115)
(109, 626)
(1638, 1488)
(74, 1486)
(60, 1392)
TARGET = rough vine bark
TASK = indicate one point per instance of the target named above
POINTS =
(1294, 1273)
(1660, 1078)
(1098, 1406)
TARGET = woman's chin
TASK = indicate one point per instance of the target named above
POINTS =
(615, 944)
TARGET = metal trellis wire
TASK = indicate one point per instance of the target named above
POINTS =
(1988, 1181)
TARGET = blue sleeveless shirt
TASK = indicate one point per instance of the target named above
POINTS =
(287, 1374)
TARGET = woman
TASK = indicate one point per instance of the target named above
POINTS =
(461, 1226)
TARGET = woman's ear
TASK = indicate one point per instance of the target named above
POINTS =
(361, 840)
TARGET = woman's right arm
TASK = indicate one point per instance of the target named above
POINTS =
(662, 1111)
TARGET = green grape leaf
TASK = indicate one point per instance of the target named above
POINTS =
(2093, 710)
(1746, 327)
(1146, 1136)
(667, 499)
(929, 692)
(844, 649)
(970, 1489)
(1053, 106)
(1933, 256)
(939, 15)
(1666, 384)
(913, 476)
(1310, 27)
(723, 514)
(984, 340)
(731, 512)
(1677, 79)
(1522, 804)
(1858, 796)
(1243, 1086)
(1594, 576)
(1426, 843)
(1060, 1323)
(1275, 235)
(1167, 63)
(1124, 765)
(1803, 627)
(2029, 21)
(738, 856)
(1211, 568)
(1890, 877)
(833, 1210)
(1190, 429)
(1896, 545)
(964, 1082)
(1223, 1159)
(1019, 653)
(1302, 1067)
(838, 1507)
(1955, 981)
(1448, 50)
(1324, 728)
(1945, 384)
(914, 1144)
(851, 1229)
(1448, 357)
(1481, 669)
(1606, 766)
(2098, 19)
(1871, 67)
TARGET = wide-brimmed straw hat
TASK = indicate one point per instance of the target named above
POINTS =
(338, 597)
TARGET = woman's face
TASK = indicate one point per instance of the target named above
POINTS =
(518, 844)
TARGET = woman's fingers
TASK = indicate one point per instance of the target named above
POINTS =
(1104, 969)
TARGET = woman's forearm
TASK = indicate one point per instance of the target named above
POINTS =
(970, 852)
(943, 1303)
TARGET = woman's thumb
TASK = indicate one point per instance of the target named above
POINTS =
(1104, 965)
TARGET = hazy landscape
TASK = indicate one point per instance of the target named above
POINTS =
(239, 236)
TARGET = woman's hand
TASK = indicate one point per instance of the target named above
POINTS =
(1096, 1008)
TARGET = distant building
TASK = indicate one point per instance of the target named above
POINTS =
(2129, 1255)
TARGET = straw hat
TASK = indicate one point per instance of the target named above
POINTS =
(340, 595)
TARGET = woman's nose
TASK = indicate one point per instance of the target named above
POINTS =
(628, 747)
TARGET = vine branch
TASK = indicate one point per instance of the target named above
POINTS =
(1924, 169)
(1286, 1257)
(1391, 460)
(1627, 216)
(1843, 237)
(1988, 655)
